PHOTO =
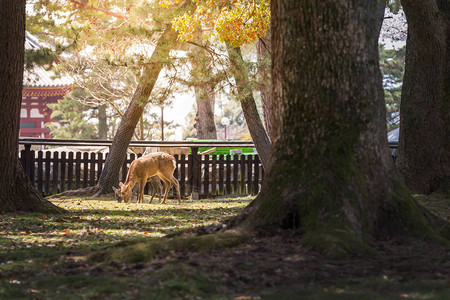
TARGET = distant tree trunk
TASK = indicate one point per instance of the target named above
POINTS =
(424, 142)
(102, 122)
(245, 95)
(331, 176)
(204, 121)
(204, 83)
(17, 192)
(264, 66)
(110, 174)
(162, 123)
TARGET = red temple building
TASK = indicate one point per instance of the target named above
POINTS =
(40, 87)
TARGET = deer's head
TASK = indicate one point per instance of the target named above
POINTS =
(117, 194)
(125, 192)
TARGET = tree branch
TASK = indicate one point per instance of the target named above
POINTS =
(107, 12)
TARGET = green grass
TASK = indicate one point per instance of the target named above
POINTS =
(100, 249)
(437, 203)
(376, 288)
(36, 248)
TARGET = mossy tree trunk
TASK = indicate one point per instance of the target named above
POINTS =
(110, 174)
(424, 142)
(330, 173)
(17, 192)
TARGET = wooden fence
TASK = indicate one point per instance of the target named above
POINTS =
(204, 175)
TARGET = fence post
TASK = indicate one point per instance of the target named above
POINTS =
(27, 160)
(195, 195)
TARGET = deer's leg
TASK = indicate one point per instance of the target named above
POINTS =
(133, 193)
(166, 186)
(141, 190)
(156, 186)
(160, 187)
(153, 183)
(176, 184)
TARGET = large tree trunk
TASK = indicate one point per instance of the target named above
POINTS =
(248, 104)
(331, 175)
(110, 174)
(424, 142)
(264, 66)
(17, 192)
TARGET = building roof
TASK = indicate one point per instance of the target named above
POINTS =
(393, 135)
(39, 76)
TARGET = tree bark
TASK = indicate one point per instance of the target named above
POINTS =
(204, 120)
(102, 122)
(424, 142)
(331, 175)
(204, 85)
(380, 15)
(17, 192)
(245, 95)
(264, 66)
(110, 174)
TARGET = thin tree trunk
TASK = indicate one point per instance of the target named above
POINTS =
(245, 94)
(204, 121)
(162, 123)
(380, 15)
(204, 85)
(102, 122)
(110, 174)
(424, 142)
(330, 173)
(264, 66)
(17, 192)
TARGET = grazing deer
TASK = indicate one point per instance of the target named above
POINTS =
(156, 186)
(159, 163)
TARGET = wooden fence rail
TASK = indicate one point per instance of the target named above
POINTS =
(203, 176)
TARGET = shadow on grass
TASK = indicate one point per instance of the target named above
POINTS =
(92, 224)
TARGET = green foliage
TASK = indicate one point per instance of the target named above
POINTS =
(40, 57)
(392, 65)
(226, 150)
(73, 117)
(110, 42)
(394, 5)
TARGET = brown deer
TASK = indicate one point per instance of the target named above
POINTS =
(159, 163)
(155, 182)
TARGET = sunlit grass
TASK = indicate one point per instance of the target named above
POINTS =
(93, 222)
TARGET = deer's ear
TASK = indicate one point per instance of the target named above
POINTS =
(115, 189)
(121, 184)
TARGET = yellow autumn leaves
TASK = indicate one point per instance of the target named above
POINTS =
(235, 22)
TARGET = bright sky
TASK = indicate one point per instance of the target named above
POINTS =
(181, 106)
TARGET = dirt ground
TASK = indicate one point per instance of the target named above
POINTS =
(279, 267)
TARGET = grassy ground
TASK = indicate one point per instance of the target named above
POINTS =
(102, 249)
